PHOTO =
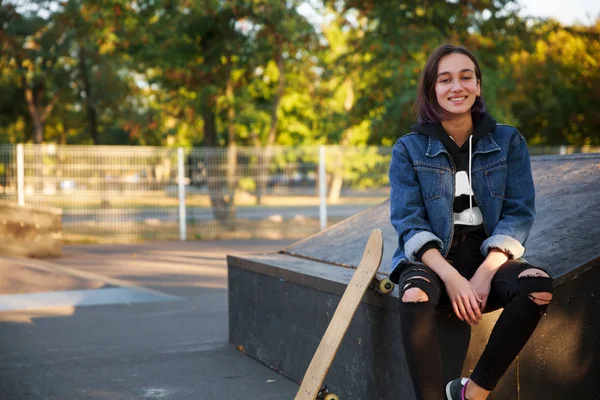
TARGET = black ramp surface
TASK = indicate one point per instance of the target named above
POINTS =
(564, 236)
(566, 232)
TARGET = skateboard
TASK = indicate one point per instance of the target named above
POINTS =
(363, 279)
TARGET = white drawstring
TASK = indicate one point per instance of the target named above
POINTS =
(470, 181)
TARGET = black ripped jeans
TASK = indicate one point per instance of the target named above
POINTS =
(513, 329)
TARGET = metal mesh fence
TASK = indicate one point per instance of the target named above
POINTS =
(105, 192)
(252, 192)
(113, 193)
(274, 192)
(8, 173)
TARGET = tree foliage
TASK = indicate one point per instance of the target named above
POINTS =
(266, 72)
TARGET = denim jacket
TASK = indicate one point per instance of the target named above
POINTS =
(422, 180)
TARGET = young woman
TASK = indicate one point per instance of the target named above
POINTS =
(462, 203)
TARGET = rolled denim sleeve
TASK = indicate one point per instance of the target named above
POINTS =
(407, 209)
(518, 208)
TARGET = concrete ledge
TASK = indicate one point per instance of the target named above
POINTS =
(282, 323)
(29, 231)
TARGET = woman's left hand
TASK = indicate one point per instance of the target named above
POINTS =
(482, 283)
(482, 280)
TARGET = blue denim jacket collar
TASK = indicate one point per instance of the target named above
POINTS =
(486, 144)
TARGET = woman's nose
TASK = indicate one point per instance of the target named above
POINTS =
(456, 86)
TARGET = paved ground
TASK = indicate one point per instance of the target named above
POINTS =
(166, 338)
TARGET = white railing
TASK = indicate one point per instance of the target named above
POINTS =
(122, 193)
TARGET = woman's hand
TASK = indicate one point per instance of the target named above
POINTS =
(465, 299)
(482, 282)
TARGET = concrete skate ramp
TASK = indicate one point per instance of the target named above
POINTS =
(564, 236)
(281, 303)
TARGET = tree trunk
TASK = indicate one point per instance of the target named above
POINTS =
(231, 152)
(337, 180)
(280, 91)
(210, 124)
(89, 102)
(221, 200)
(337, 175)
(260, 170)
(264, 159)
(34, 96)
(35, 114)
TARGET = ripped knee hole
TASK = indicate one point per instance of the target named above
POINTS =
(414, 294)
(539, 298)
(533, 273)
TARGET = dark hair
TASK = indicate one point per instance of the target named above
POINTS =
(427, 109)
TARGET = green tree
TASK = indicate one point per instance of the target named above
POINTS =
(392, 40)
(558, 85)
(33, 47)
(190, 49)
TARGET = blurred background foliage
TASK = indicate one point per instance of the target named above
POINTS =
(272, 72)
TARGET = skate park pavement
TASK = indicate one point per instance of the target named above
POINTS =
(120, 322)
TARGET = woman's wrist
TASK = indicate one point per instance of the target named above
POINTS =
(434, 260)
(494, 260)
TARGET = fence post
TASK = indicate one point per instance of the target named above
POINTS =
(322, 188)
(181, 186)
(562, 150)
(20, 175)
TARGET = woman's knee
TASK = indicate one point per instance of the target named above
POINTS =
(415, 295)
(537, 284)
(414, 290)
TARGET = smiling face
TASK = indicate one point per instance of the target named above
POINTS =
(456, 86)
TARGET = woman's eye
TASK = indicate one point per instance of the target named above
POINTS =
(445, 80)
(466, 78)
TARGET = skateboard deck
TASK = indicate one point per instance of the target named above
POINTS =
(364, 278)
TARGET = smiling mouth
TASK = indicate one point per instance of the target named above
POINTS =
(457, 99)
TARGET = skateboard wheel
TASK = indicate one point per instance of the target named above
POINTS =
(386, 286)
(331, 396)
